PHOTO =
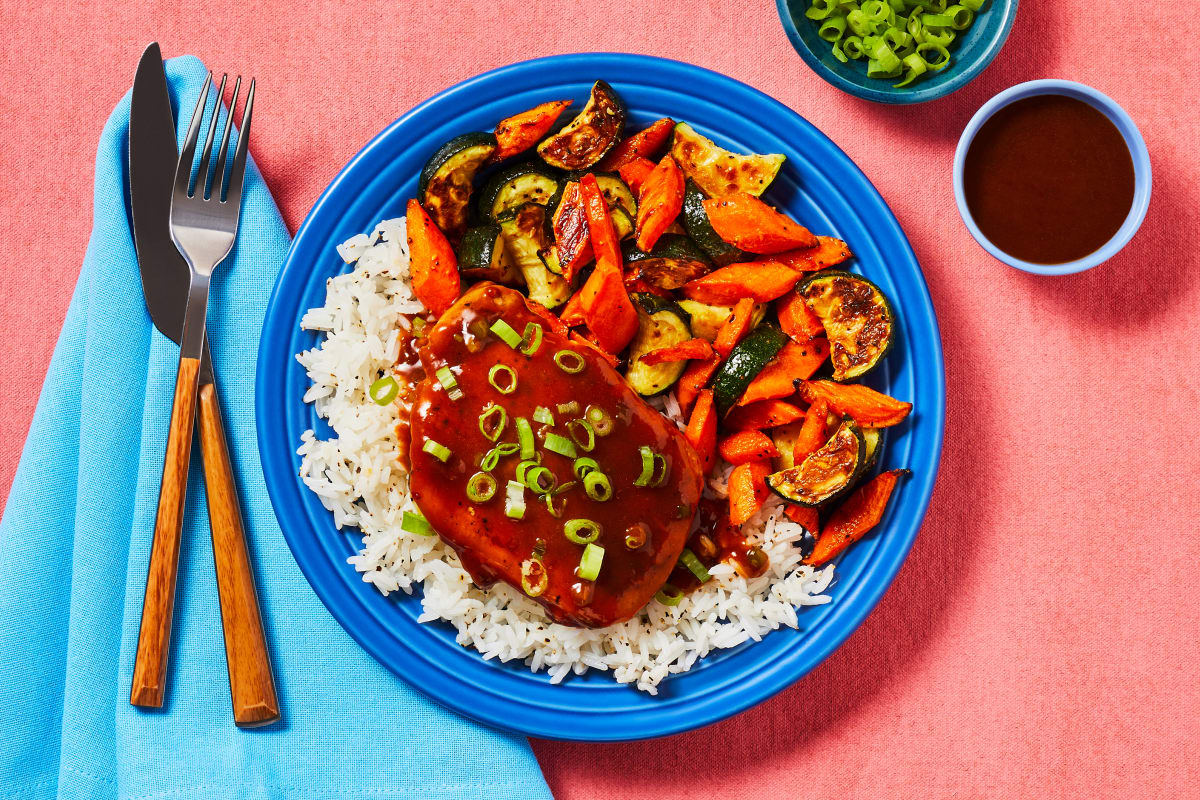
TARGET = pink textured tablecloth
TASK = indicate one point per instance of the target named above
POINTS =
(1044, 636)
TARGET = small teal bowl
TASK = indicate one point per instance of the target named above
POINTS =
(1133, 140)
(971, 52)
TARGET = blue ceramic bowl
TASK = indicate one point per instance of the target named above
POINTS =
(971, 52)
(1137, 151)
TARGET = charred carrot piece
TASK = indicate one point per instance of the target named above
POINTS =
(762, 415)
(643, 144)
(659, 202)
(607, 308)
(572, 313)
(805, 517)
(854, 518)
(813, 432)
(864, 404)
(751, 225)
(747, 490)
(828, 252)
(634, 173)
(518, 133)
(796, 318)
(572, 237)
(746, 446)
(736, 326)
(684, 351)
(432, 264)
(693, 379)
(701, 430)
(588, 339)
(556, 324)
(794, 362)
(761, 282)
(605, 244)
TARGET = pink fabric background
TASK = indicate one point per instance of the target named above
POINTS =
(1044, 636)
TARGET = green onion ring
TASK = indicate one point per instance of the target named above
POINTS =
(492, 430)
(689, 560)
(514, 500)
(557, 443)
(555, 511)
(668, 595)
(590, 562)
(581, 531)
(598, 486)
(437, 450)
(585, 465)
(568, 408)
(540, 479)
(481, 487)
(510, 385)
(525, 438)
(647, 473)
(532, 339)
(506, 333)
(446, 378)
(569, 361)
(600, 420)
(384, 390)
(583, 434)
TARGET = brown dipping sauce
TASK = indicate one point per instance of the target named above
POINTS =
(1048, 179)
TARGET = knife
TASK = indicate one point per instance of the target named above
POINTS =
(152, 160)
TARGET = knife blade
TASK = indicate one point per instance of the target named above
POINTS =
(165, 275)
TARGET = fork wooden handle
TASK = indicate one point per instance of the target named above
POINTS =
(154, 636)
(251, 684)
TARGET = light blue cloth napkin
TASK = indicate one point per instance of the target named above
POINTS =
(74, 548)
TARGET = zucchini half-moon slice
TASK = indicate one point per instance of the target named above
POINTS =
(673, 262)
(661, 323)
(858, 320)
(515, 186)
(718, 171)
(524, 237)
(445, 183)
(587, 138)
(482, 256)
(695, 219)
(826, 474)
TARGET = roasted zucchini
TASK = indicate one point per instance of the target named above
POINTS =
(719, 172)
(661, 323)
(746, 360)
(514, 186)
(674, 261)
(587, 138)
(524, 237)
(871, 440)
(482, 256)
(858, 320)
(827, 473)
(444, 186)
(695, 219)
(707, 320)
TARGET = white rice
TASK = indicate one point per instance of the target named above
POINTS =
(358, 478)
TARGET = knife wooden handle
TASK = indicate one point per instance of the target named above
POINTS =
(251, 684)
(154, 636)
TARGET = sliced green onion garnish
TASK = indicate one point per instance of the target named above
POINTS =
(514, 500)
(412, 522)
(525, 438)
(581, 531)
(689, 560)
(490, 460)
(585, 465)
(437, 450)
(384, 390)
(960, 16)
(506, 333)
(636, 535)
(598, 486)
(507, 448)
(523, 469)
(661, 470)
(532, 339)
(569, 361)
(449, 382)
(533, 576)
(668, 595)
(540, 479)
(543, 415)
(566, 409)
(600, 420)
(557, 443)
(566, 487)
(589, 562)
(418, 325)
(647, 473)
(555, 509)
(481, 487)
(492, 422)
(582, 434)
(509, 383)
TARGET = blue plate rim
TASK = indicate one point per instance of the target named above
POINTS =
(276, 449)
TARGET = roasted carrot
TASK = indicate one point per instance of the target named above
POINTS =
(684, 351)
(518, 133)
(864, 404)
(572, 239)
(701, 430)
(747, 490)
(572, 313)
(796, 318)
(634, 173)
(693, 379)
(558, 325)
(607, 308)
(794, 362)
(813, 432)
(746, 446)
(805, 517)
(852, 519)
(736, 325)
(828, 252)
(432, 264)
(762, 415)
(750, 224)
(727, 285)
(643, 144)
(659, 202)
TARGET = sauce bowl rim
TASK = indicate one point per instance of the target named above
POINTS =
(1138, 154)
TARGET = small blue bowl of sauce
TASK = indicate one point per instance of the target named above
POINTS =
(1052, 177)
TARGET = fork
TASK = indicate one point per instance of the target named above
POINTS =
(204, 222)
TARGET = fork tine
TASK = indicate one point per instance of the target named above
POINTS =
(237, 170)
(206, 153)
(218, 185)
(183, 170)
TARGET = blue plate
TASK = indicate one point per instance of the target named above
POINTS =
(819, 185)
(970, 53)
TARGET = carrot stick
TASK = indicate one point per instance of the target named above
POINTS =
(762, 415)
(828, 252)
(805, 517)
(865, 405)
(684, 351)
(794, 362)
(701, 430)
(572, 237)
(852, 519)
(796, 318)
(572, 313)
(746, 446)
(813, 432)
(634, 173)
(605, 245)
(659, 202)
(643, 144)
(736, 326)
(693, 379)
(432, 264)
(518, 133)
(762, 282)
(747, 490)
(751, 225)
